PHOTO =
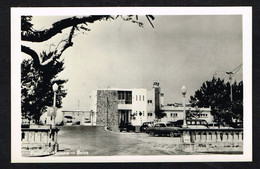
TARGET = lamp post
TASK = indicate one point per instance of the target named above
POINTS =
(184, 91)
(55, 89)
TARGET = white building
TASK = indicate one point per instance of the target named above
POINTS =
(113, 106)
(174, 113)
(122, 105)
(78, 117)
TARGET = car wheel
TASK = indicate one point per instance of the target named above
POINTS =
(121, 130)
(172, 134)
(151, 133)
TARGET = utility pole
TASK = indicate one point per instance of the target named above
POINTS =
(230, 81)
(231, 74)
(107, 111)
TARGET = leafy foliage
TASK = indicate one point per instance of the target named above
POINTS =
(26, 25)
(216, 94)
(36, 87)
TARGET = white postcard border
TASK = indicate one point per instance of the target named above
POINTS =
(16, 13)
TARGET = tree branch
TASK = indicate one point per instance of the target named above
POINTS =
(55, 55)
(57, 27)
(68, 43)
(32, 53)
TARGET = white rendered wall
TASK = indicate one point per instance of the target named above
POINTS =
(139, 104)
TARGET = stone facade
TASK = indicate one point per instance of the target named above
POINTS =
(157, 99)
(107, 108)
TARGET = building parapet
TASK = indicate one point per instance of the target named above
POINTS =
(177, 108)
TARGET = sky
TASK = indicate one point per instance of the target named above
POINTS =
(180, 50)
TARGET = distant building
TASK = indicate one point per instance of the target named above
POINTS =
(174, 113)
(78, 117)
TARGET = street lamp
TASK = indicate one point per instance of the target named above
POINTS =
(184, 91)
(55, 89)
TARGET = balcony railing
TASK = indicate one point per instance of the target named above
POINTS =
(124, 101)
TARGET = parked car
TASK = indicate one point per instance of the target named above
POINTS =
(172, 123)
(145, 125)
(163, 128)
(237, 125)
(213, 125)
(126, 127)
(76, 123)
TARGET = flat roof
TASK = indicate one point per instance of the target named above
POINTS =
(122, 89)
(187, 108)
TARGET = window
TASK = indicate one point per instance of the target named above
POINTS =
(139, 97)
(125, 97)
(143, 97)
(150, 114)
(136, 97)
(149, 101)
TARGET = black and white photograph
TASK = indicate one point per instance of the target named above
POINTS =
(131, 84)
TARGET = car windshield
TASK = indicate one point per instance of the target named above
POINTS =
(162, 125)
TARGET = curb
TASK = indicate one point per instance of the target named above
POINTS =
(121, 133)
(110, 131)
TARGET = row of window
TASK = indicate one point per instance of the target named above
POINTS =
(125, 97)
(173, 115)
(140, 97)
(176, 115)
(203, 115)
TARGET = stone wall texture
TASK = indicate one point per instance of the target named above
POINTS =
(107, 108)
(157, 100)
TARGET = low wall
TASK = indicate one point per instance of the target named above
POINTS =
(212, 140)
(39, 140)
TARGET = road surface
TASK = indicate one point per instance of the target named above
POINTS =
(96, 141)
